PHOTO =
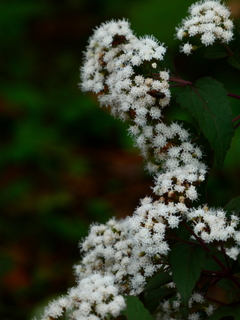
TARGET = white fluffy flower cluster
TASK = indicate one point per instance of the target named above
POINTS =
(109, 66)
(108, 70)
(119, 257)
(208, 20)
(92, 299)
(181, 167)
(130, 249)
(212, 225)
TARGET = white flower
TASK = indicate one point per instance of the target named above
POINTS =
(233, 252)
(187, 48)
(209, 20)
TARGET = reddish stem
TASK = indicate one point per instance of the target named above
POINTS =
(182, 240)
(215, 300)
(236, 126)
(233, 95)
(213, 273)
(181, 81)
(235, 119)
(227, 272)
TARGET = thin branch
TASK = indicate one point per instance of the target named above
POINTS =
(225, 256)
(233, 95)
(235, 119)
(228, 274)
(237, 125)
(181, 81)
(182, 240)
(213, 273)
(215, 300)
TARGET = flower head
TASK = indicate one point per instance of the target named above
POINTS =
(208, 20)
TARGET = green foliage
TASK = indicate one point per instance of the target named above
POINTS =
(186, 262)
(158, 280)
(234, 60)
(233, 205)
(155, 290)
(207, 101)
(152, 298)
(217, 51)
(225, 311)
(135, 309)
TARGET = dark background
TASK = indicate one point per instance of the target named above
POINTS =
(65, 162)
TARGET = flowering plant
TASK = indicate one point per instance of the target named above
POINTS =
(170, 259)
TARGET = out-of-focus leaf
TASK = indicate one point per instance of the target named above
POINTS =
(99, 209)
(67, 228)
(223, 312)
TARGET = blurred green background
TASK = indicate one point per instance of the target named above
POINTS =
(64, 161)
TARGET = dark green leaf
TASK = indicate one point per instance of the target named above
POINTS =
(207, 101)
(158, 280)
(186, 263)
(233, 205)
(152, 298)
(235, 59)
(237, 313)
(211, 265)
(135, 309)
(222, 312)
(182, 232)
(217, 51)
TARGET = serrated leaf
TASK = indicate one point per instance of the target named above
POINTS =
(234, 60)
(233, 205)
(135, 309)
(207, 101)
(152, 298)
(157, 281)
(186, 262)
(217, 51)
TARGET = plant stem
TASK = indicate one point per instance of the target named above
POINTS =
(182, 240)
(235, 119)
(237, 125)
(225, 256)
(213, 272)
(234, 95)
(181, 81)
(227, 272)
(214, 300)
